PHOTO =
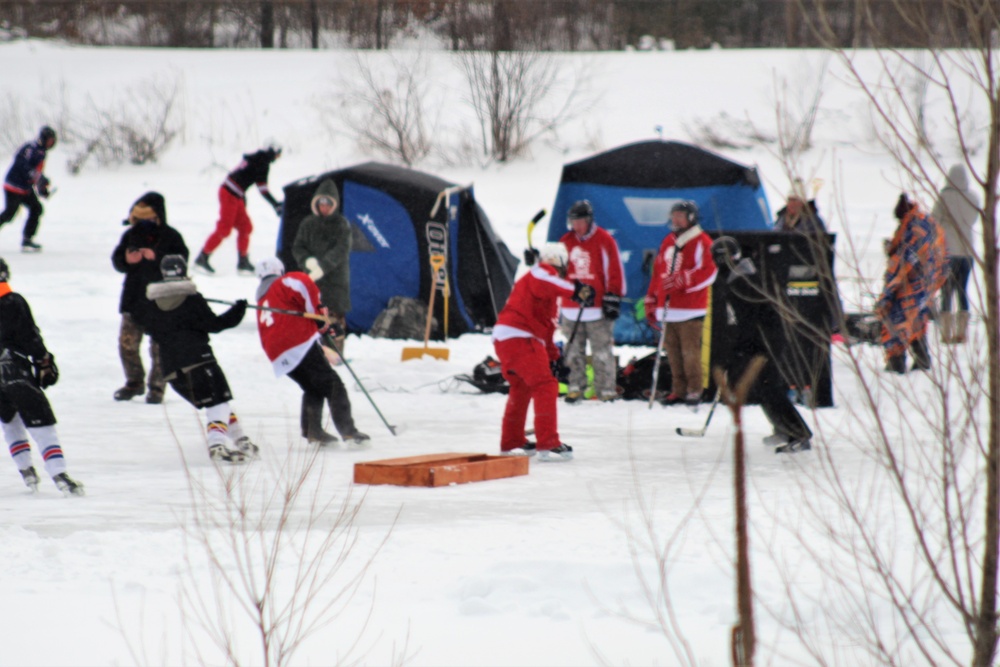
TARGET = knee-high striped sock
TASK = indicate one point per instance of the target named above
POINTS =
(16, 437)
(48, 443)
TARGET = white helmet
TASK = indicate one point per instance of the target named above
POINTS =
(554, 254)
(272, 266)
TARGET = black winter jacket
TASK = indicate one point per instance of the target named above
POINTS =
(162, 239)
(179, 320)
(18, 332)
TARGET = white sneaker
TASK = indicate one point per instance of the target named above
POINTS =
(219, 452)
(247, 447)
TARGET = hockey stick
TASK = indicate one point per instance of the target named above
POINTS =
(699, 432)
(282, 311)
(663, 337)
(531, 226)
(332, 343)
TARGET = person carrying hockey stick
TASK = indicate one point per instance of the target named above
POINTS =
(528, 357)
(757, 331)
(292, 345)
(27, 368)
(677, 299)
(179, 320)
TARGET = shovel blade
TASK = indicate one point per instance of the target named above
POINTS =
(418, 352)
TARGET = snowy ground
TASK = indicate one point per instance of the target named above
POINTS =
(535, 570)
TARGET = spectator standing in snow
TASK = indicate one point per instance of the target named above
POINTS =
(677, 298)
(757, 331)
(26, 369)
(915, 272)
(292, 344)
(322, 248)
(142, 247)
(179, 320)
(593, 260)
(26, 182)
(253, 169)
(800, 213)
(522, 339)
(956, 211)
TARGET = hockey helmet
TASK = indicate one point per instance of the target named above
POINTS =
(173, 267)
(689, 208)
(554, 254)
(45, 135)
(271, 266)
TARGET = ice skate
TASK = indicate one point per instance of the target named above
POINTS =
(68, 485)
(561, 453)
(30, 479)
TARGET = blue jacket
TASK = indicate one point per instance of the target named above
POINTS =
(26, 171)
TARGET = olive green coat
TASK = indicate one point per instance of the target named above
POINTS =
(328, 239)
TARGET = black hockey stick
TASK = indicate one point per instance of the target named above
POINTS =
(699, 432)
(336, 348)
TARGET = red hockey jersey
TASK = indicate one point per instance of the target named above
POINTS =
(593, 260)
(693, 250)
(287, 338)
(530, 311)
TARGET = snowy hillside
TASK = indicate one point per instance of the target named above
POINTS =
(553, 568)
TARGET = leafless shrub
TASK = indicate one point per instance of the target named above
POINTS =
(135, 127)
(283, 558)
(508, 91)
(388, 113)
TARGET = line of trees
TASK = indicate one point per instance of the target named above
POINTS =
(504, 25)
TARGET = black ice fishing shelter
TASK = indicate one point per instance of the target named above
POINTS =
(399, 218)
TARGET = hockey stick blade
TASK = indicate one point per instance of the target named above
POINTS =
(692, 432)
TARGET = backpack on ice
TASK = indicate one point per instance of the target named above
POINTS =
(486, 377)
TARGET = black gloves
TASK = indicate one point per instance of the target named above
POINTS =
(611, 306)
(583, 294)
(531, 256)
(560, 371)
(43, 188)
(46, 371)
(239, 309)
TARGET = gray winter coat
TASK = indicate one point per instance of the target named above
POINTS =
(328, 240)
(957, 210)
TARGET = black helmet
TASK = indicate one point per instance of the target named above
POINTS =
(726, 251)
(4, 271)
(581, 209)
(689, 207)
(45, 134)
(173, 267)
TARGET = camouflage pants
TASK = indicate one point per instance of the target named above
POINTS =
(601, 337)
(129, 342)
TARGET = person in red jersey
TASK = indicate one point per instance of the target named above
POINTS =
(523, 342)
(593, 260)
(292, 344)
(678, 299)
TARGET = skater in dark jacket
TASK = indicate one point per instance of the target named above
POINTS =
(143, 245)
(26, 369)
(756, 329)
(252, 170)
(179, 320)
(25, 183)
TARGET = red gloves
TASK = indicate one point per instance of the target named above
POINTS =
(650, 303)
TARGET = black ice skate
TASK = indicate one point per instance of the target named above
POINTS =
(561, 453)
(68, 485)
(30, 479)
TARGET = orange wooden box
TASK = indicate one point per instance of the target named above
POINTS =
(439, 469)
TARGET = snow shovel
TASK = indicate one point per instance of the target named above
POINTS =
(437, 262)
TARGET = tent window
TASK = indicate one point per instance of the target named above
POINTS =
(651, 212)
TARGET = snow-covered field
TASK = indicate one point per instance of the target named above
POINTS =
(546, 569)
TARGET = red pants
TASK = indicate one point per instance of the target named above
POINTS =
(525, 365)
(232, 213)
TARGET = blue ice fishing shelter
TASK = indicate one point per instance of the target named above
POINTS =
(399, 218)
(632, 189)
